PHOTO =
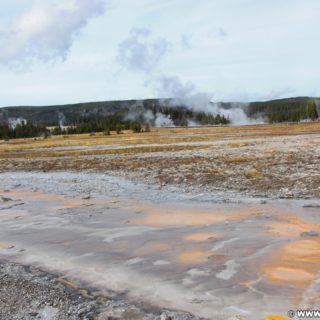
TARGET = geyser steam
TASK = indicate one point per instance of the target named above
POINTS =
(142, 52)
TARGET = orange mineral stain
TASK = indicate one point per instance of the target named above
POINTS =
(57, 200)
(194, 256)
(4, 245)
(156, 216)
(290, 226)
(275, 317)
(9, 216)
(201, 237)
(153, 247)
(296, 263)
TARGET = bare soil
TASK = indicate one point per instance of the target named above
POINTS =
(262, 160)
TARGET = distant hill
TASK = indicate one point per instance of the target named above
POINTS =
(290, 109)
(156, 110)
(148, 111)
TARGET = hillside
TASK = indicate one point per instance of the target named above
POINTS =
(158, 112)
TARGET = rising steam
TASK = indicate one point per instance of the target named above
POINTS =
(14, 122)
(142, 52)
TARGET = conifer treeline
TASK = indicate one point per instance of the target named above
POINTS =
(288, 110)
(284, 110)
(23, 130)
(140, 123)
(115, 122)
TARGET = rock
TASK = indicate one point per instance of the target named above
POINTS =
(312, 205)
(4, 199)
(311, 233)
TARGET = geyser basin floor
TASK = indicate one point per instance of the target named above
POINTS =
(217, 256)
(279, 160)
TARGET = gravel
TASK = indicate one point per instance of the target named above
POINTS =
(27, 293)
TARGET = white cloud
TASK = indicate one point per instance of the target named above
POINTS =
(270, 46)
(47, 31)
(140, 52)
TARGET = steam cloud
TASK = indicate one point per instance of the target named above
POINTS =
(13, 122)
(142, 53)
(47, 31)
(186, 94)
(159, 120)
(62, 119)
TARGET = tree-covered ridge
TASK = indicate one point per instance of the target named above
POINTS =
(286, 110)
(144, 111)
(138, 122)
(23, 130)
(140, 115)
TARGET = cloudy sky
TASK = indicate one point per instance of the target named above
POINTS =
(54, 51)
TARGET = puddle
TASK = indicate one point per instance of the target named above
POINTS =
(154, 249)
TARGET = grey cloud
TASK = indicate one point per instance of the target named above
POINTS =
(222, 33)
(173, 87)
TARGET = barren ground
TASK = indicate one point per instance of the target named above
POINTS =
(265, 160)
(220, 223)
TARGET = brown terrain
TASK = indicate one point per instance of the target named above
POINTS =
(280, 160)
(215, 222)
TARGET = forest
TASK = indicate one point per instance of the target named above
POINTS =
(23, 130)
(115, 122)
(139, 116)
(286, 110)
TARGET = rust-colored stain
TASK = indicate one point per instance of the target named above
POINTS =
(296, 263)
(68, 283)
(153, 247)
(156, 216)
(59, 201)
(201, 237)
(194, 256)
(9, 216)
(4, 245)
(275, 317)
(120, 246)
(290, 226)
(74, 286)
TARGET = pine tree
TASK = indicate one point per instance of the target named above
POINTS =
(312, 110)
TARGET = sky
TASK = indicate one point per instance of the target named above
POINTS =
(56, 52)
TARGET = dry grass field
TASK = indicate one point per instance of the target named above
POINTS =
(281, 160)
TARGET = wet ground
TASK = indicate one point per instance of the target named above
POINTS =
(217, 255)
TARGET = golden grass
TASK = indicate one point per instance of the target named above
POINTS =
(165, 136)
(252, 173)
(240, 159)
(116, 151)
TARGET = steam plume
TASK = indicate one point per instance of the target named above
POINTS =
(13, 122)
(141, 53)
